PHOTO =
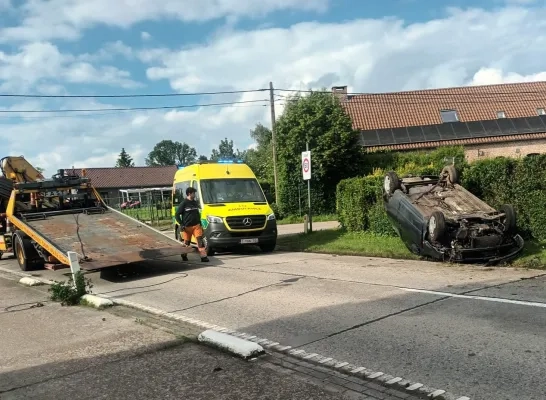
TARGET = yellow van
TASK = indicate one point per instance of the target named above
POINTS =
(234, 209)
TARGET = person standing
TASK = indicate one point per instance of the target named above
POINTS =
(189, 218)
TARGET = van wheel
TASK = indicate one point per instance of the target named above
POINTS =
(451, 173)
(210, 251)
(509, 219)
(436, 226)
(27, 256)
(391, 183)
(268, 248)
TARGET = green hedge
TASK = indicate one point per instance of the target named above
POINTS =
(359, 205)
(520, 182)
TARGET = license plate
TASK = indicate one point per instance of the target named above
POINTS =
(248, 241)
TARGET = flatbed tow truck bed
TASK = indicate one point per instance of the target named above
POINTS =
(102, 237)
(43, 220)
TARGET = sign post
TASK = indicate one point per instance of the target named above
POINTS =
(306, 170)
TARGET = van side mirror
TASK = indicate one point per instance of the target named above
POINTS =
(269, 198)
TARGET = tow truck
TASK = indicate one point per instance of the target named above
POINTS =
(42, 220)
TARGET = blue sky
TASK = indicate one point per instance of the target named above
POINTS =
(97, 47)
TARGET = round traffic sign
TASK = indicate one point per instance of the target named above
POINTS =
(305, 165)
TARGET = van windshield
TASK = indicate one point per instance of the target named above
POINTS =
(231, 191)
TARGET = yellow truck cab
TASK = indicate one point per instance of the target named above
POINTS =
(234, 209)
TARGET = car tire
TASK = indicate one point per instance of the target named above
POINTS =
(451, 173)
(436, 226)
(391, 183)
(509, 219)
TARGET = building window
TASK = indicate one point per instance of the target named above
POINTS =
(541, 111)
(449, 116)
(501, 114)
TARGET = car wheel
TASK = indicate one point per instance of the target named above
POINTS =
(451, 173)
(436, 226)
(509, 219)
(391, 183)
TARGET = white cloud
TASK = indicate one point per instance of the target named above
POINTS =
(371, 55)
(64, 19)
(465, 47)
(34, 63)
(145, 36)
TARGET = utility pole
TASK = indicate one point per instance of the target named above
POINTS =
(273, 139)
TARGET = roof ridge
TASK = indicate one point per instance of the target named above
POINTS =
(450, 88)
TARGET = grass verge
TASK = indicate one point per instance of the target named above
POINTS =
(337, 241)
(296, 219)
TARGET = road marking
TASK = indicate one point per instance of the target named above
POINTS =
(483, 298)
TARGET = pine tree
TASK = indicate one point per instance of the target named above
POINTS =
(124, 160)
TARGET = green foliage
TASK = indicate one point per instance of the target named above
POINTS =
(226, 150)
(168, 152)
(520, 182)
(69, 293)
(260, 158)
(124, 160)
(320, 120)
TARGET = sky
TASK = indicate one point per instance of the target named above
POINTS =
(185, 47)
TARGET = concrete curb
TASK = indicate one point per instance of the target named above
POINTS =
(27, 281)
(414, 388)
(239, 347)
(96, 301)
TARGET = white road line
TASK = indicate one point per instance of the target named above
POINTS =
(483, 298)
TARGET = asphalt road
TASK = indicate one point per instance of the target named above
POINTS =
(404, 318)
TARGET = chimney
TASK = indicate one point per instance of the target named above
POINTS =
(340, 92)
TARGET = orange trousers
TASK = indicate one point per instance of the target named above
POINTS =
(197, 231)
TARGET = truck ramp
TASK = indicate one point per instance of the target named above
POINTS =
(103, 237)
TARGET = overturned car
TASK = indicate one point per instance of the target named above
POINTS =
(438, 218)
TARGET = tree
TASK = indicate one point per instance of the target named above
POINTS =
(203, 158)
(320, 120)
(260, 158)
(40, 170)
(168, 152)
(124, 160)
(225, 150)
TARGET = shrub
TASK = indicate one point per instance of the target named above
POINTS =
(69, 293)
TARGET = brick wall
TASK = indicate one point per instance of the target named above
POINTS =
(514, 149)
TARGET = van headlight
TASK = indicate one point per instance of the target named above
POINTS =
(271, 217)
(214, 220)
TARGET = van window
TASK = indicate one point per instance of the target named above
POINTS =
(194, 185)
(180, 192)
(231, 191)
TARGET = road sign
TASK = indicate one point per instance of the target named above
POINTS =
(306, 165)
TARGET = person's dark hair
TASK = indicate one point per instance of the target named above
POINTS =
(190, 190)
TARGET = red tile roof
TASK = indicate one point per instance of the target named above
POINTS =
(422, 107)
(129, 178)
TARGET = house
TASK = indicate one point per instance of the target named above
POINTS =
(112, 182)
(493, 120)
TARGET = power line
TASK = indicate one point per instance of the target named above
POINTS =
(109, 96)
(135, 108)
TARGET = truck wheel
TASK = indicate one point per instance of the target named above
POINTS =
(210, 251)
(27, 256)
(509, 219)
(451, 173)
(436, 226)
(268, 248)
(391, 183)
